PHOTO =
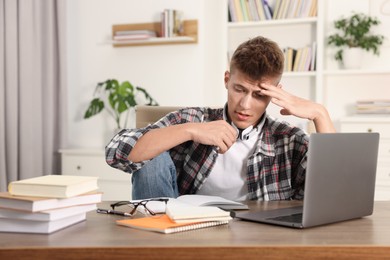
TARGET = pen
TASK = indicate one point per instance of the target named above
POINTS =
(114, 212)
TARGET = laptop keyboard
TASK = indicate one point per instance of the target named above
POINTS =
(293, 218)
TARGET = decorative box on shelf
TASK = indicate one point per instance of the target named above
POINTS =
(115, 184)
(189, 35)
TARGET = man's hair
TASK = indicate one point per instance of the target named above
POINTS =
(257, 58)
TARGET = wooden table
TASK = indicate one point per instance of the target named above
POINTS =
(100, 238)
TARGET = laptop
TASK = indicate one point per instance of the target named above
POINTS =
(339, 185)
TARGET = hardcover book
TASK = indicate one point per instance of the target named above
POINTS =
(53, 186)
(46, 215)
(34, 204)
(41, 227)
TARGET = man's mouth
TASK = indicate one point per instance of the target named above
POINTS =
(242, 116)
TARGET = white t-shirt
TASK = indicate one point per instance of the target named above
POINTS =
(227, 179)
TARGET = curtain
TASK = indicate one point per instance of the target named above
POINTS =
(32, 88)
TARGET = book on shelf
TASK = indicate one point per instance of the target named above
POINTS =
(375, 102)
(34, 204)
(313, 56)
(244, 10)
(297, 60)
(232, 11)
(163, 224)
(284, 9)
(313, 8)
(46, 215)
(291, 54)
(373, 106)
(292, 9)
(305, 59)
(42, 227)
(253, 10)
(278, 4)
(134, 35)
(136, 32)
(260, 10)
(53, 186)
(374, 111)
(131, 37)
(267, 10)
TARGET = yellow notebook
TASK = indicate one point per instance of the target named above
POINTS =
(164, 224)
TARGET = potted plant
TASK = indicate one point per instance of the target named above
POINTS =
(354, 33)
(117, 98)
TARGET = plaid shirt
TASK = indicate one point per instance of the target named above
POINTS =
(275, 170)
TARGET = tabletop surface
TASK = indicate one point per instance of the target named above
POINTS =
(100, 230)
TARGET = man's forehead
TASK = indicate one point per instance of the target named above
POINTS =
(264, 79)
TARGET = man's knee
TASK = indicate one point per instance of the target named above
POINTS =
(157, 178)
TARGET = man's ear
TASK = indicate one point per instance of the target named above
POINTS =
(279, 85)
(226, 78)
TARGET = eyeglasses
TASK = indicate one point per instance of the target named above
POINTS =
(135, 204)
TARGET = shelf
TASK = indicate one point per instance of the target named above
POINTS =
(369, 118)
(355, 72)
(155, 41)
(299, 74)
(283, 22)
(190, 34)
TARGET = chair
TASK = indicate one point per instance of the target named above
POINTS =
(145, 115)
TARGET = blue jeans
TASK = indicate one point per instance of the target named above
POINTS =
(157, 178)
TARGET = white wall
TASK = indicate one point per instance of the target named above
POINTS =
(183, 75)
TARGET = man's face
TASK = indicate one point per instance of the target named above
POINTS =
(246, 103)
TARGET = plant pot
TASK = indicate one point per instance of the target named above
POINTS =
(352, 58)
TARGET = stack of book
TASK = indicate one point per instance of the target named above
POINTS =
(48, 203)
(133, 35)
(373, 106)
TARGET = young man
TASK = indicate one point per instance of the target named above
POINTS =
(237, 152)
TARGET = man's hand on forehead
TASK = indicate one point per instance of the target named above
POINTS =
(269, 89)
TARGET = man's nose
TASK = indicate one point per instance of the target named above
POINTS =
(245, 101)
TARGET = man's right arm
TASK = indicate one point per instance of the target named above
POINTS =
(217, 133)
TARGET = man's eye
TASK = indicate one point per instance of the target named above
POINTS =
(258, 95)
(237, 89)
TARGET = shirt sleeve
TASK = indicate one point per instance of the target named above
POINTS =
(299, 180)
(299, 174)
(118, 149)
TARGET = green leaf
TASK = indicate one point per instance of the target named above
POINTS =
(126, 89)
(95, 107)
